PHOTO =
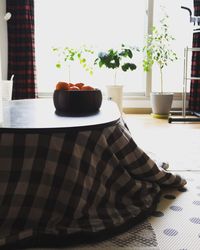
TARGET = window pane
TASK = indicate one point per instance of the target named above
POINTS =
(181, 29)
(99, 25)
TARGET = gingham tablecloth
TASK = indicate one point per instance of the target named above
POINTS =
(82, 182)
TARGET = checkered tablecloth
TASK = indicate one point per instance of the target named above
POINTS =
(75, 182)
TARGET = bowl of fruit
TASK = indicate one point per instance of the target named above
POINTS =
(76, 99)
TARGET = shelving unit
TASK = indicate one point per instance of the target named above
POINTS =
(184, 115)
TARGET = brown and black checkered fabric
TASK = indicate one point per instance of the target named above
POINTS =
(85, 181)
(21, 48)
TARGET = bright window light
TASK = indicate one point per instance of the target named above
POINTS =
(181, 29)
(99, 25)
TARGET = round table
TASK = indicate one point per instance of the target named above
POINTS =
(35, 114)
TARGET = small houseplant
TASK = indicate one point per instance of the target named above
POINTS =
(157, 50)
(116, 59)
(67, 55)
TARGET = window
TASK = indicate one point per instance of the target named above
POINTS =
(181, 30)
(97, 24)
(106, 24)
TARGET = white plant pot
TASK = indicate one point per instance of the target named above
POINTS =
(161, 103)
(1, 106)
(115, 93)
(7, 87)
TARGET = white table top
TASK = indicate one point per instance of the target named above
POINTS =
(40, 114)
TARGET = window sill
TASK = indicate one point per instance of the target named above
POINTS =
(137, 104)
(141, 104)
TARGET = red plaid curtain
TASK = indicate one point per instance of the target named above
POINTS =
(194, 100)
(21, 48)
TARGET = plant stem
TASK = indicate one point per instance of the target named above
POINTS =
(115, 77)
(69, 80)
(161, 80)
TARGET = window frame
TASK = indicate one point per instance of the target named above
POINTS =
(143, 98)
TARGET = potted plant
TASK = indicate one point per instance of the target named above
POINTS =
(157, 50)
(116, 59)
(67, 55)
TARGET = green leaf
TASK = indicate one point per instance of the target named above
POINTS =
(129, 53)
(58, 65)
(125, 67)
(83, 60)
(128, 66)
(132, 66)
(101, 64)
(55, 49)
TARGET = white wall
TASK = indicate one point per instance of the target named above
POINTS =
(3, 41)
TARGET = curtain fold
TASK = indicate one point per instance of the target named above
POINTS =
(21, 48)
(194, 99)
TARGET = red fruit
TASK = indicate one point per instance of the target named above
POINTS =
(62, 85)
(74, 88)
(87, 88)
(71, 84)
(79, 84)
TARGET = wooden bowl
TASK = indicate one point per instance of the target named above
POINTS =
(77, 102)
